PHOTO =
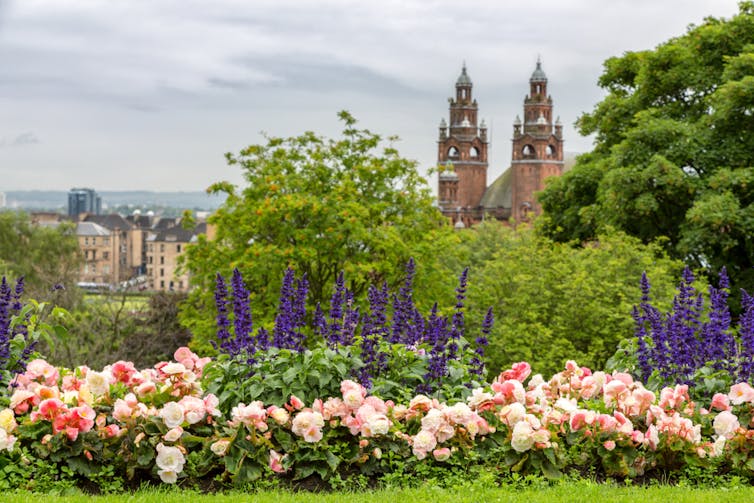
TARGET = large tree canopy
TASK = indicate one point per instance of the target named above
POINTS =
(674, 150)
(47, 257)
(552, 301)
(320, 206)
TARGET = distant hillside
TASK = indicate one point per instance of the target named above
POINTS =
(58, 199)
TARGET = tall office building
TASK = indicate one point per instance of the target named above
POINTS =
(83, 201)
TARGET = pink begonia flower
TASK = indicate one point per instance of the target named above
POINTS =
(623, 377)
(296, 402)
(173, 435)
(741, 393)
(210, 405)
(278, 414)
(41, 371)
(185, 356)
(193, 408)
(614, 391)
(510, 390)
(624, 424)
(334, 407)
(22, 400)
(276, 462)
(572, 368)
(353, 393)
(49, 409)
(522, 438)
(145, 388)
(220, 447)
(422, 443)
(726, 424)
(173, 368)
(441, 454)
(253, 415)
(519, 371)
(673, 398)
(433, 420)
(480, 400)
(609, 445)
(122, 371)
(582, 418)
(720, 402)
(71, 383)
(122, 411)
(112, 430)
(420, 403)
(308, 424)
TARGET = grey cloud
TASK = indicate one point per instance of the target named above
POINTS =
(21, 140)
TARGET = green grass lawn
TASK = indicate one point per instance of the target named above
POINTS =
(576, 492)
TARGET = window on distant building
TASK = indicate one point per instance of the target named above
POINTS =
(94, 254)
(94, 241)
(106, 240)
(162, 272)
(162, 247)
(86, 240)
(106, 269)
(162, 259)
(105, 255)
(162, 284)
(178, 248)
(149, 260)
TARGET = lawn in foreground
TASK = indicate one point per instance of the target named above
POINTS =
(576, 492)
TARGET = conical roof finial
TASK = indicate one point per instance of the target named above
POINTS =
(463, 79)
(539, 74)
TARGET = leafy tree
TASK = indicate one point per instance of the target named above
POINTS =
(674, 150)
(320, 206)
(553, 301)
(118, 326)
(47, 257)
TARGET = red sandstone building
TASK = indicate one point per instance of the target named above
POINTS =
(463, 194)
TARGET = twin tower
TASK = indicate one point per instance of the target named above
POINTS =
(463, 194)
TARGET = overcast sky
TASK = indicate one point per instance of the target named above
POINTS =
(150, 94)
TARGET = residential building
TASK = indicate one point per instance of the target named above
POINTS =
(164, 247)
(98, 245)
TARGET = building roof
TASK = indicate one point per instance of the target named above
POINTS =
(165, 223)
(173, 235)
(539, 74)
(499, 194)
(463, 79)
(90, 229)
(113, 221)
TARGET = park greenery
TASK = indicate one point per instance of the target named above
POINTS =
(350, 338)
(673, 151)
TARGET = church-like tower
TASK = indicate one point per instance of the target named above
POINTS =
(462, 153)
(537, 148)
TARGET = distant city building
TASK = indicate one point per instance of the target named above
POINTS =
(83, 201)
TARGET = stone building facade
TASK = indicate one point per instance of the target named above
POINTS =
(463, 194)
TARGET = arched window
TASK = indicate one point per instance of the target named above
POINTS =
(452, 152)
(473, 152)
(550, 151)
(527, 152)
